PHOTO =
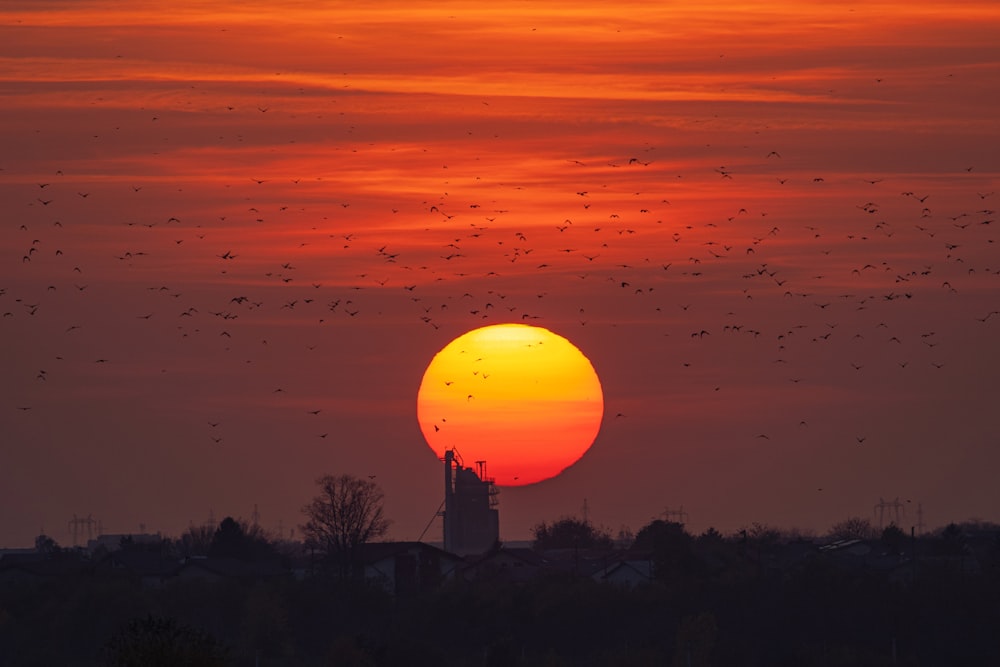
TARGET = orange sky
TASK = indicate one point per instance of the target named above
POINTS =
(627, 176)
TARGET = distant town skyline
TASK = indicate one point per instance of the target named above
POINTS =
(82, 530)
(234, 238)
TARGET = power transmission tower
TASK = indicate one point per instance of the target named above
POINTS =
(895, 511)
(78, 524)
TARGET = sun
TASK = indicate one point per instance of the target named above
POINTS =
(519, 397)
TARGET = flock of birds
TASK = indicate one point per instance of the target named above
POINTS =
(720, 270)
(470, 263)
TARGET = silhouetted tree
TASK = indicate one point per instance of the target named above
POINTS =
(711, 536)
(761, 535)
(162, 546)
(671, 546)
(953, 539)
(237, 539)
(660, 534)
(229, 540)
(853, 528)
(46, 545)
(162, 642)
(345, 515)
(570, 533)
(894, 537)
(196, 540)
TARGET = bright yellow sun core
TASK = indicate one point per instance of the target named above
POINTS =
(522, 398)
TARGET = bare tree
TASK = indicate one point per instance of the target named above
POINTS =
(345, 515)
(853, 528)
(196, 540)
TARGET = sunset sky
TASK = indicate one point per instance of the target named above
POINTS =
(770, 226)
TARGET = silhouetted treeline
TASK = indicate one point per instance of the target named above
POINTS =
(755, 598)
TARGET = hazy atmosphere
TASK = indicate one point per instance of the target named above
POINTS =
(235, 236)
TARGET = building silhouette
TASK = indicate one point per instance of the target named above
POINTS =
(471, 520)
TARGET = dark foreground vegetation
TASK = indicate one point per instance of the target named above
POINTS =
(755, 598)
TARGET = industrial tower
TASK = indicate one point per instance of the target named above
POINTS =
(471, 520)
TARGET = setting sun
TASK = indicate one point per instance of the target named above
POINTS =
(522, 398)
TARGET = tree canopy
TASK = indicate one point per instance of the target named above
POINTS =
(670, 545)
(236, 539)
(570, 533)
